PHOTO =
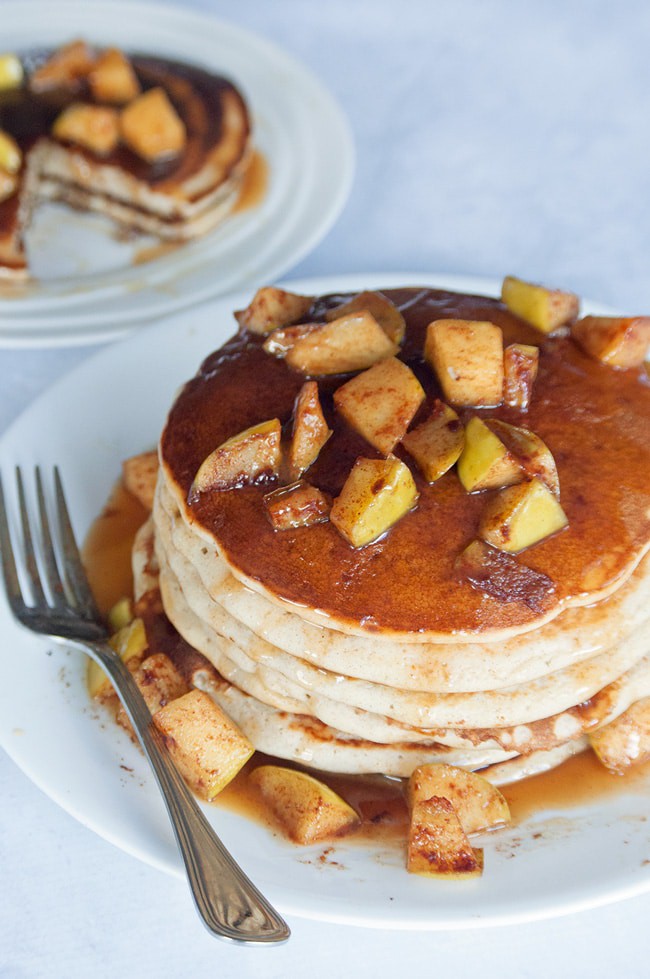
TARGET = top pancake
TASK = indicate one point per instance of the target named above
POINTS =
(594, 420)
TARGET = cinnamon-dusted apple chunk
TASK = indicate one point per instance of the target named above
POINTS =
(207, 748)
(130, 642)
(380, 403)
(159, 682)
(618, 341)
(11, 158)
(437, 844)
(479, 805)
(545, 309)
(113, 79)
(625, 741)
(310, 430)
(245, 458)
(64, 69)
(530, 451)
(376, 494)
(520, 365)
(95, 127)
(349, 343)
(437, 443)
(297, 505)
(151, 127)
(11, 72)
(271, 308)
(467, 356)
(385, 312)
(521, 516)
(485, 462)
(307, 809)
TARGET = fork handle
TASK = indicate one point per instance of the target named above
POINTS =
(229, 903)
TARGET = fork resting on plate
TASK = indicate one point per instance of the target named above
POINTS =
(48, 592)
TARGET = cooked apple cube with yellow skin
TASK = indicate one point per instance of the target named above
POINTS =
(385, 312)
(545, 309)
(207, 748)
(130, 642)
(615, 340)
(376, 494)
(113, 79)
(151, 127)
(380, 403)
(437, 443)
(350, 343)
(8, 185)
(11, 158)
(310, 431)
(139, 474)
(272, 307)
(625, 741)
(64, 68)
(11, 72)
(120, 614)
(530, 451)
(520, 365)
(244, 458)
(159, 682)
(485, 462)
(307, 810)
(467, 357)
(478, 804)
(437, 844)
(297, 505)
(521, 516)
(281, 341)
(95, 127)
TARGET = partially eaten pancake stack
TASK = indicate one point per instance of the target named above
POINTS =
(382, 657)
(178, 193)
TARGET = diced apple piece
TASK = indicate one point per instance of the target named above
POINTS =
(485, 462)
(532, 454)
(479, 805)
(385, 312)
(272, 307)
(520, 364)
(207, 748)
(130, 642)
(282, 340)
(545, 309)
(95, 127)
(248, 457)
(437, 443)
(11, 72)
(521, 516)
(310, 430)
(298, 505)
(350, 343)
(437, 844)
(380, 403)
(159, 683)
(467, 357)
(376, 494)
(64, 68)
(504, 577)
(151, 127)
(11, 158)
(8, 185)
(120, 614)
(139, 474)
(113, 79)
(625, 741)
(616, 340)
(308, 810)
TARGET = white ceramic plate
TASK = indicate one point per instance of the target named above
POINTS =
(90, 290)
(112, 407)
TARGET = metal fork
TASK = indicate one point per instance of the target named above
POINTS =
(57, 602)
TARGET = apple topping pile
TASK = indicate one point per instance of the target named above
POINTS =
(385, 403)
(111, 109)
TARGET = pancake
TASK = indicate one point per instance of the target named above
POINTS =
(176, 198)
(379, 658)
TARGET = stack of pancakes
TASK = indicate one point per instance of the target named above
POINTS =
(381, 658)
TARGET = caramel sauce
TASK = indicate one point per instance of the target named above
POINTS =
(254, 183)
(594, 420)
(151, 252)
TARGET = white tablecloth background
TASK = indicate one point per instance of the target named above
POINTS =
(492, 137)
